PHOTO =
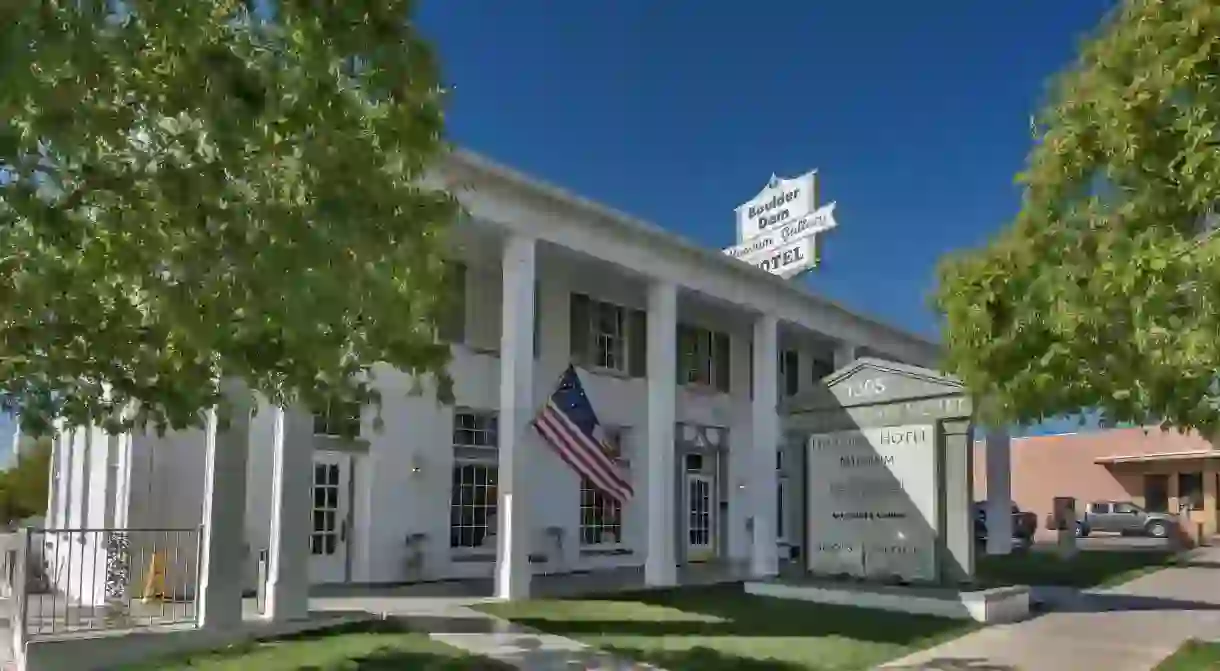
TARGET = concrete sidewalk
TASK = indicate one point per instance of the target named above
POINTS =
(1131, 627)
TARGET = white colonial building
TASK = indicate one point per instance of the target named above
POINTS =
(683, 351)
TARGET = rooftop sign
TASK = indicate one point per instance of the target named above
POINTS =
(777, 229)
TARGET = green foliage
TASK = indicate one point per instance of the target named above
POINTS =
(1102, 295)
(23, 488)
(192, 191)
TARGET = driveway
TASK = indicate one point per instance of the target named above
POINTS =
(1127, 628)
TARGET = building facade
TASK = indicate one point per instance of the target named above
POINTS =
(1161, 471)
(684, 353)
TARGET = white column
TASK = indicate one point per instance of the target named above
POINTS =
(516, 413)
(224, 512)
(122, 494)
(845, 354)
(660, 568)
(15, 454)
(998, 455)
(765, 421)
(288, 554)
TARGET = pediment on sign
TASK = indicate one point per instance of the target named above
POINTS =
(871, 381)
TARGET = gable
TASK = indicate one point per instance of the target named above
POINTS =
(871, 381)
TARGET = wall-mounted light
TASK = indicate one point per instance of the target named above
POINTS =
(417, 464)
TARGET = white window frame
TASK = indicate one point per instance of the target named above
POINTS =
(602, 342)
(489, 506)
(591, 498)
(475, 431)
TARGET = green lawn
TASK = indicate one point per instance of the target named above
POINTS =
(365, 647)
(722, 628)
(1087, 569)
(1193, 656)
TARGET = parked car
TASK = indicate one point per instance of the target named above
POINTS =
(1024, 524)
(1082, 525)
(1125, 517)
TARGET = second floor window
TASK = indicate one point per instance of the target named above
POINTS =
(703, 357)
(476, 428)
(608, 337)
(823, 365)
(451, 324)
(339, 419)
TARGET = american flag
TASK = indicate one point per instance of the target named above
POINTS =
(568, 423)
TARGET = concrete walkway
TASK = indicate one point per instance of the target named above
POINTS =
(451, 620)
(444, 611)
(1127, 628)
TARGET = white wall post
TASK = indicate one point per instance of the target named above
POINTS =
(660, 568)
(845, 354)
(516, 412)
(288, 555)
(224, 511)
(764, 559)
(998, 455)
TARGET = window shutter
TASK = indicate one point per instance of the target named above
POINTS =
(537, 319)
(452, 323)
(578, 332)
(822, 367)
(682, 360)
(750, 367)
(721, 353)
(792, 372)
(637, 343)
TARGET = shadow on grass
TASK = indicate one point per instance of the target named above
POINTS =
(1198, 563)
(710, 659)
(1087, 569)
(383, 645)
(954, 664)
(724, 610)
(1111, 603)
(397, 660)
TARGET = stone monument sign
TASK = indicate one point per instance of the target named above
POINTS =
(887, 474)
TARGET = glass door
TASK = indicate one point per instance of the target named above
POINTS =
(700, 519)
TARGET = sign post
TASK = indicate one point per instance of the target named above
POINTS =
(777, 229)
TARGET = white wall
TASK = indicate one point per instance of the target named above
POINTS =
(75, 549)
(391, 502)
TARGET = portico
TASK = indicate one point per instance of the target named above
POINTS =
(680, 501)
(675, 284)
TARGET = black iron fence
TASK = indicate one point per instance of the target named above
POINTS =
(66, 581)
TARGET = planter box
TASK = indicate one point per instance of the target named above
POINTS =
(1001, 604)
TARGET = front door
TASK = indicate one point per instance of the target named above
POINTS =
(328, 539)
(700, 520)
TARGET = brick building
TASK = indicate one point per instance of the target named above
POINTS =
(1159, 470)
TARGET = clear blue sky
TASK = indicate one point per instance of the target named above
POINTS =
(916, 114)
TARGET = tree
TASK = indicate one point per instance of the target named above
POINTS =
(1102, 294)
(214, 188)
(23, 487)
